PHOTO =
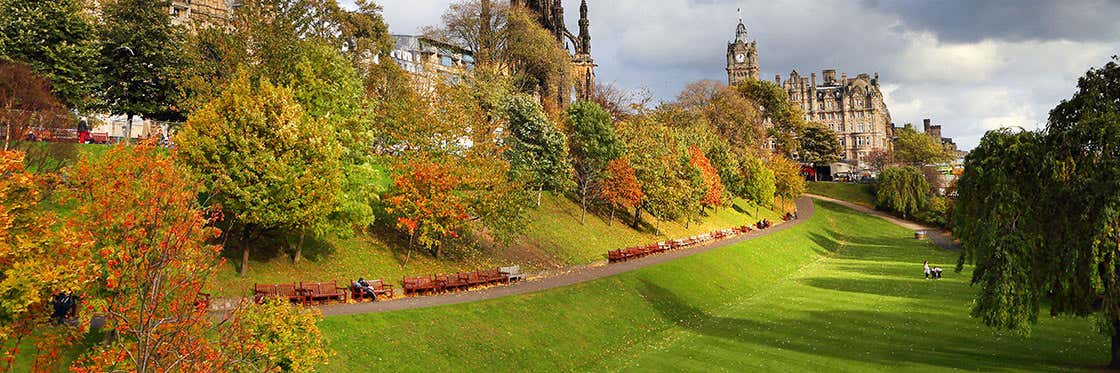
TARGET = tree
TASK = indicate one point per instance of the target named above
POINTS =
(903, 190)
(25, 97)
(268, 164)
(618, 101)
(819, 145)
(39, 257)
(1038, 214)
(58, 38)
(139, 58)
(536, 58)
(151, 260)
(731, 115)
(475, 25)
(661, 167)
(537, 150)
(879, 159)
(594, 145)
(759, 182)
(788, 183)
(274, 336)
(786, 120)
(620, 187)
(714, 193)
(918, 149)
(425, 204)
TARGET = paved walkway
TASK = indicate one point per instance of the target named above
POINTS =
(573, 276)
(939, 237)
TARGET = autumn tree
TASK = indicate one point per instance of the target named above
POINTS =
(818, 145)
(26, 99)
(714, 192)
(274, 336)
(140, 56)
(424, 203)
(537, 150)
(594, 145)
(39, 257)
(788, 183)
(58, 39)
(620, 188)
(732, 116)
(268, 164)
(475, 25)
(903, 190)
(621, 103)
(879, 159)
(151, 259)
(536, 58)
(661, 167)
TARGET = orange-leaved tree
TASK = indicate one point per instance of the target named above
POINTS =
(713, 186)
(152, 260)
(39, 257)
(274, 336)
(620, 187)
(424, 202)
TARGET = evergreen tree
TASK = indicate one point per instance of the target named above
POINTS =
(594, 144)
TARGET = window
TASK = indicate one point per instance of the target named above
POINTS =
(446, 61)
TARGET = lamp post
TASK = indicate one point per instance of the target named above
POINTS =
(128, 125)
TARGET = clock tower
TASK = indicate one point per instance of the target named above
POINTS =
(742, 57)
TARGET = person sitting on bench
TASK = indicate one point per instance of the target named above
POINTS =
(363, 286)
(63, 304)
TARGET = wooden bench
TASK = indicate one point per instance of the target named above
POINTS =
(418, 285)
(379, 288)
(512, 273)
(322, 291)
(283, 291)
(454, 281)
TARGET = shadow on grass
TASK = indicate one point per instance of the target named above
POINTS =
(889, 339)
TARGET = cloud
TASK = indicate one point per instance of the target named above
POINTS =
(969, 65)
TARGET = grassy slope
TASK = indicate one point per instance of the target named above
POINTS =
(840, 292)
(861, 194)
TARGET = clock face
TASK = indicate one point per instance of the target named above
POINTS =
(740, 57)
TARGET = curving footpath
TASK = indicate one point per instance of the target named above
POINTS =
(939, 237)
(573, 276)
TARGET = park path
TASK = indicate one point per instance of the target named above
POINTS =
(939, 237)
(571, 276)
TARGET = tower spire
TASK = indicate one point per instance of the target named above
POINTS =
(584, 46)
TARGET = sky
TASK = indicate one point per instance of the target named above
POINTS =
(971, 66)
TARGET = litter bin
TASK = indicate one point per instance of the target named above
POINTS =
(919, 235)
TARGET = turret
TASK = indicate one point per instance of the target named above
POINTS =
(584, 30)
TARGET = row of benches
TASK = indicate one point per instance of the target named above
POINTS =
(318, 292)
(622, 255)
(460, 281)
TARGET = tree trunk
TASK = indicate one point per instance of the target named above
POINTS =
(299, 247)
(245, 250)
(128, 136)
(583, 215)
(484, 33)
(1115, 363)
(610, 222)
(540, 191)
(637, 216)
(7, 134)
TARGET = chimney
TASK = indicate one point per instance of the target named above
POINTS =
(925, 125)
(814, 79)
(829, 77)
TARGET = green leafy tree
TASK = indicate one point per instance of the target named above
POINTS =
(1038, 214)
(758, 182)
(537, 150)
(918, 149)
(819, 145)
(903, 190)
(269, 164)
(787, 120)
(594, 144)
(140, 57)
(58, 38)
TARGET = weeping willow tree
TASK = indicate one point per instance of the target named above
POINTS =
(1039, 215)
(903, 190)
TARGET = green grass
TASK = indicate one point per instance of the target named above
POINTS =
(860, 194)
(841, 292)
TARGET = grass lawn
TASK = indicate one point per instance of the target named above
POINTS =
(860, 194)
(842, 292)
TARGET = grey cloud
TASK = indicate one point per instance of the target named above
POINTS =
(1012, 20)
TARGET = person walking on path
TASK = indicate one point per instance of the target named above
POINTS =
(926, 268)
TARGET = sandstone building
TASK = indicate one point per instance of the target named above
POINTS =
(429, 62)
(853, 108)
(202, 13)
(550, 14)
